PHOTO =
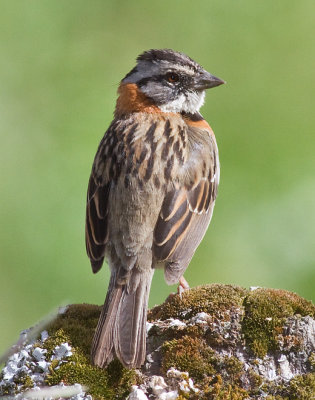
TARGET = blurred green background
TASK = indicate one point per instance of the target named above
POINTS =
(60, 64)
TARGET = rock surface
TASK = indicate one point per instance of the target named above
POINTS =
(213, 342)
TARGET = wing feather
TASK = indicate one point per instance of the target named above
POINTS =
(96, 227)
(169, 232)
(185, 216)
(172, 201)
(166, 228)
(96, 222)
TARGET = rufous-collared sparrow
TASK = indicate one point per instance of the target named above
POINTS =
(151, 194)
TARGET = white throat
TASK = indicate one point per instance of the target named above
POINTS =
(189, 103)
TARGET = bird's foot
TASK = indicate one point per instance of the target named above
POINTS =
(183, 286)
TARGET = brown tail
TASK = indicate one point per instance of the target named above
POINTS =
(121, 329)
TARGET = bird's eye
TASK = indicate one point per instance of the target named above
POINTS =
(172, 77)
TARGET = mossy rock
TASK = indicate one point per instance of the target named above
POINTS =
(234, 344)
(78, 322)
(213, 299)
(266, 311)
(256, 328)
(76, 326)
(189, 354)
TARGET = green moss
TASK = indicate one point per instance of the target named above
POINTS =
(217, 389)
(27, 382)
(55, 339)
(189, 354)
(77, 369)
(8, 390)
(233, 367)
(121, 379)
(255, 381)
(112, 382)
(302, 387)
(78, 323)
(195, 356)
(265, 313)
(21, 382)
(231, 392)
(311, 361)
(213, 299)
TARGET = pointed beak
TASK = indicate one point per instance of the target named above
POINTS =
(206, 81)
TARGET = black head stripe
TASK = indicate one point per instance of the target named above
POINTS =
(171, 56)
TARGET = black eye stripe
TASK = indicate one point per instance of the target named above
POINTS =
(157, 78)
(183, 81)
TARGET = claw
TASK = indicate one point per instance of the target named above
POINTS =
(183, 286)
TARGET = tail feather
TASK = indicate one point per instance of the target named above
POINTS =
(121, 330)
(102, 345)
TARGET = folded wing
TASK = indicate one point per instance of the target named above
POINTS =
(183, 221)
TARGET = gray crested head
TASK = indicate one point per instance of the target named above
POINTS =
(172, 80)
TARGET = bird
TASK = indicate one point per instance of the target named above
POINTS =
(151, 194)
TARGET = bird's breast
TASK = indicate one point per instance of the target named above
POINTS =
(154, 151)
(150, 149)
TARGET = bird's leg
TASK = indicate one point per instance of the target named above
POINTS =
(182, 286)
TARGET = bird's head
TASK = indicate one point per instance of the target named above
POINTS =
(167, 80)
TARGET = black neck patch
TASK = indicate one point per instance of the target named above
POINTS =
(195, 117)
